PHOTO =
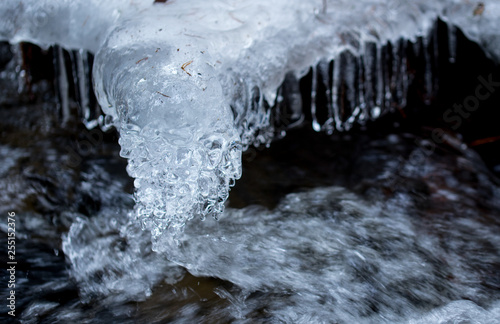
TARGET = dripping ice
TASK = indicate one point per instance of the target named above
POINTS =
(190, 85)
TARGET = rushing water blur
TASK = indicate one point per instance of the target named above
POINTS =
(362, 227)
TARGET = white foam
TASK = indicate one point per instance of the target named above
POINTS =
(186, 82)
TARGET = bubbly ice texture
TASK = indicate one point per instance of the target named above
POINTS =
(188, 84)
(72, 24)
(175, 129)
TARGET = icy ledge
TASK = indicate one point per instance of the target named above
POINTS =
(188, 83)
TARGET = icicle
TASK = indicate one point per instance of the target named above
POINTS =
(427, 69)
(63, 85)
(402, 79)
(435, 45)
(452, 42)
(396, 74)
(82, 89)
(336, 83)
(282, 115)
(350, 74)
(18, 57)
(316, 126)
(292, 100)
(370, 66)
(88, 118)
(74, 74)
(388, 76)
(279, 113)
(324, 95)
(379, 93)
(363, 115)
(405, 81)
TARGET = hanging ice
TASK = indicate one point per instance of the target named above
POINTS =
(190, 84)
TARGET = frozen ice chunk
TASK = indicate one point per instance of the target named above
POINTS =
(175, 127)
(72, 24)
(189, 84)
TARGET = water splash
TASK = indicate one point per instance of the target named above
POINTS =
(323, 255)
(191, 85)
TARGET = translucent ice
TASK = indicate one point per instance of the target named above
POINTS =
(323, 256)
(190, 84)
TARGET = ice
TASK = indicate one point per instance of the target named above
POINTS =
(178, 135)
(63, 86)
(322, 256)
(190, 84)
(72, 24)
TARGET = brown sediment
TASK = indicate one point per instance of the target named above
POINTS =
(183, 67)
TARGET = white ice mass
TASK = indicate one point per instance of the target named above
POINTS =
(192, 84)
(189, 84)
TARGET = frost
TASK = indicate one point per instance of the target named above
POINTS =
(190, 84)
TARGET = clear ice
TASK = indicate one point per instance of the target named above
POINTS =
(190, 84)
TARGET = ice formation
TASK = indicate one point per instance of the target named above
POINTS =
(190, 84)
(323, 256)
